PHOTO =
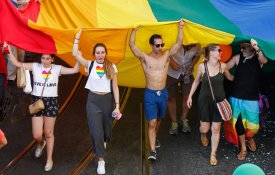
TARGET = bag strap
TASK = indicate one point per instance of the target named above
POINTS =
(209, 81)
(90, 67)
(45, 82)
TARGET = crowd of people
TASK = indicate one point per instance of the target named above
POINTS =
(168, 73)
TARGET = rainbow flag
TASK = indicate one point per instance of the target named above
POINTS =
(50, 27)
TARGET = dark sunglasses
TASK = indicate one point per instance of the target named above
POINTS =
(219, 50)
(158, 45)
(244, 47)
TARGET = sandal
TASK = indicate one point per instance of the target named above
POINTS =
(251, 145)
(204, 140)
(213, 159)
(242, 155)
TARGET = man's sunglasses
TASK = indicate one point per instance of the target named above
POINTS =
(244, 47)
(158, 45)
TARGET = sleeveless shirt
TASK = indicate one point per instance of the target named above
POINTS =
(246, 83)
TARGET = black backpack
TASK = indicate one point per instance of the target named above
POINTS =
(90, 68)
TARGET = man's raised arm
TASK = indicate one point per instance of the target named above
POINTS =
(178, 44)
(261, 56)
(139, 54)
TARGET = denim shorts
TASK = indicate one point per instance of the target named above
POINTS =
(155, 102)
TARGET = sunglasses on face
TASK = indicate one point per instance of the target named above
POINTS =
(219, 50)
(158, 45)
(244, 47)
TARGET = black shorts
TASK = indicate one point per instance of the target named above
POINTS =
(51, 106)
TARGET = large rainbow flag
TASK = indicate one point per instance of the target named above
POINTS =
(50, 27)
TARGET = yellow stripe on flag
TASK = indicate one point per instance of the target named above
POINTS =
(123, 13)
(66, 14)
(196, 33)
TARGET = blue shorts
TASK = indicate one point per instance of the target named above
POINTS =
(155, 102)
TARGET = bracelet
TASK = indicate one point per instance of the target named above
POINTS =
(258, 51)
(76, 38)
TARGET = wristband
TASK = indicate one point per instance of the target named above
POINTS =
(258, 51)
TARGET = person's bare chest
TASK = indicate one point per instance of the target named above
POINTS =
(155, 64)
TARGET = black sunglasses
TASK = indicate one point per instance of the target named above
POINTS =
(158, 45)
(245, 46)
(219, 50)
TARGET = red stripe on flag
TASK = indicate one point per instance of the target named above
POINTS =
(14, 28)
(3, 67)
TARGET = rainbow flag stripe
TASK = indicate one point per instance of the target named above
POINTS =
(50, 27)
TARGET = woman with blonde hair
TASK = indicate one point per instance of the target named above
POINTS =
(103, 91)
(208, 112)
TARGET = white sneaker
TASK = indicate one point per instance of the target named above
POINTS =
(105, 145)
(101, 167)
(39, 149)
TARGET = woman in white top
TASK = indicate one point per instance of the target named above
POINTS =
(103, 91)
(43, 121)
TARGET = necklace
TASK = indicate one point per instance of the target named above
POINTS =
(248, 57)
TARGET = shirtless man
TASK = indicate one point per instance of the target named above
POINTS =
(155, 67)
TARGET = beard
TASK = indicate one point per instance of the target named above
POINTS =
(248, 54)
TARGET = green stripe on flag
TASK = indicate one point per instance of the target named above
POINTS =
(201, 12)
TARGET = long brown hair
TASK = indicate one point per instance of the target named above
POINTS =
(107, 65)
(207, 49)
